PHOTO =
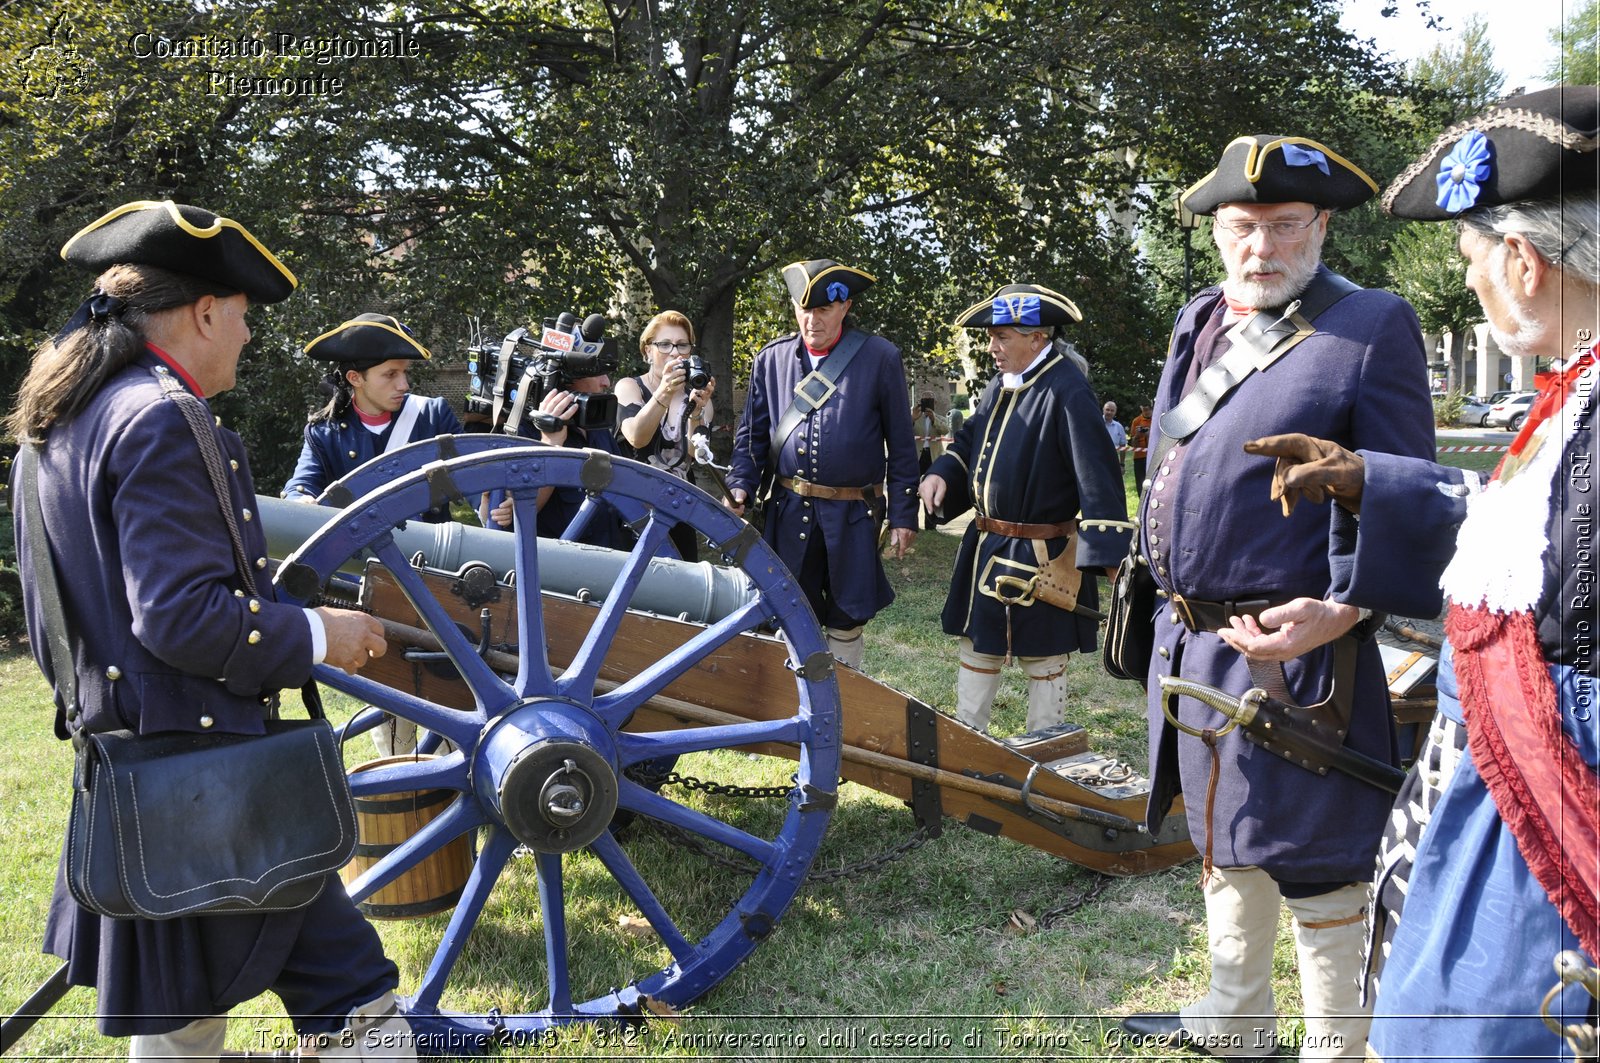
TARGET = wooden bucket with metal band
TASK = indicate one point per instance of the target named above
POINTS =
(384, 821)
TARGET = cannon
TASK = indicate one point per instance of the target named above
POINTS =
(553, 679)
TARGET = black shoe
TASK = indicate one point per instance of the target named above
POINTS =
(1165, 1029)
(1157, 1026)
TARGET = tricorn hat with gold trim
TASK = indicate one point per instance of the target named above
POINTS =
(1267, 168)
(1025, 305)
(1535, 146)
(367, 338)
(189, 240)
(822, 281)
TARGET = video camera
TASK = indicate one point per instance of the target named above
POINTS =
(508, 381)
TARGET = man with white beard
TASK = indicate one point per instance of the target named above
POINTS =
(1281, 345)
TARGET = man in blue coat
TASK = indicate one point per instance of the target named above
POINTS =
(827, 428)
(1033, 455)
(1282, 345)
(1490, 868)
(372, 410)
(163, 633)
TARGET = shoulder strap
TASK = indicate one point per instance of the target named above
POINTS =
(404, 422)
(202, 425)
(816, 388)
(195, 412)
(1264, 331)
(45, 583)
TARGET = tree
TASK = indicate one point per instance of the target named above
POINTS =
(533, 156)
(1579, 41)
(1457, 81)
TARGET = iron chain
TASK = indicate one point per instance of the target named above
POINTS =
(686, 840)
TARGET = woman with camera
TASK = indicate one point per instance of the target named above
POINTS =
(663, 410)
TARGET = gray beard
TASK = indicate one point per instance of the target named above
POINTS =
(1259, 296)
(1530, 333)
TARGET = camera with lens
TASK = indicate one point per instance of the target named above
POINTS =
(507, 381)
(697, 376)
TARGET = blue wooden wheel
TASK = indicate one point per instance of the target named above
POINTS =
(541, 759)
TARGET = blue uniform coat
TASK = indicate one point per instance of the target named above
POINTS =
(1213, 534)
(336, 446)
(1035, 454)
(860, 436)
(162, 642)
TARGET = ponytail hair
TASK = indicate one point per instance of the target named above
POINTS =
(337, 387)
(108, 332)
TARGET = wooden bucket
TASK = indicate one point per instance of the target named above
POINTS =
(384, 821)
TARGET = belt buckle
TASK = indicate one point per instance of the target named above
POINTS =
(1184, 612)
(813, 390)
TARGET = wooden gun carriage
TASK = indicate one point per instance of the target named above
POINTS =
(551, 678)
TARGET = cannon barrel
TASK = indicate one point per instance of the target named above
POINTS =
(695, 590)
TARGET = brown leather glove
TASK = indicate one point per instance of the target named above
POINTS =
(1311, 468)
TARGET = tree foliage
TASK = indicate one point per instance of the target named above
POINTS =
(1579, 42)
(530, 156)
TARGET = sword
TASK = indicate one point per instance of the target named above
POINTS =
(1269, 722)
(719, 473)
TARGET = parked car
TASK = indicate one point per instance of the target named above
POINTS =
(1474, 414)
(1511, 412)
(1499, 396)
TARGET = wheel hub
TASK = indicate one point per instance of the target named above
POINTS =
(546, 767)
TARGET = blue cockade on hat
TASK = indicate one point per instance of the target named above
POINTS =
(1463, 171)
(837, 292)
(1015, 310)
(1294, 155)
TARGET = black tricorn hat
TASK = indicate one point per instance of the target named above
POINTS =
(1536, 146)
(1025, 305)
(822, 281)
(184, 239)
(367, 338)
(1267, 168)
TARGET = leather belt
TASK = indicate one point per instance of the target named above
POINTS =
(1210, 616)
(1024, 531)
(807, 489)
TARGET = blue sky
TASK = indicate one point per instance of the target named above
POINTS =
(1519, 30)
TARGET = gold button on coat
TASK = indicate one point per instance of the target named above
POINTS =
(255, 637)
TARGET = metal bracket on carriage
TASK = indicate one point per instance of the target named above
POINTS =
(476, 584)
(485, 644)
(1059, 811)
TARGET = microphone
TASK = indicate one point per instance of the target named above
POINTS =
(594, 327)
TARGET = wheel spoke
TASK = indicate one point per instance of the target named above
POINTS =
(460, 817)
(488, 689)
(633, 884)
(497, 848)
(579, 679)
(533, 669)
(448, 772)
(458, 726)
(645, 745)
(618, 705)
(552, 906)
(647, 802)
(581, 520)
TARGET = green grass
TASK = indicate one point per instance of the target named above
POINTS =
(924, 950)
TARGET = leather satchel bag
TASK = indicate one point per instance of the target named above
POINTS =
(187, 824)
(1130, 620)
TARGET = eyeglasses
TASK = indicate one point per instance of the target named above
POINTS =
(1281, 232)
(664, 347)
